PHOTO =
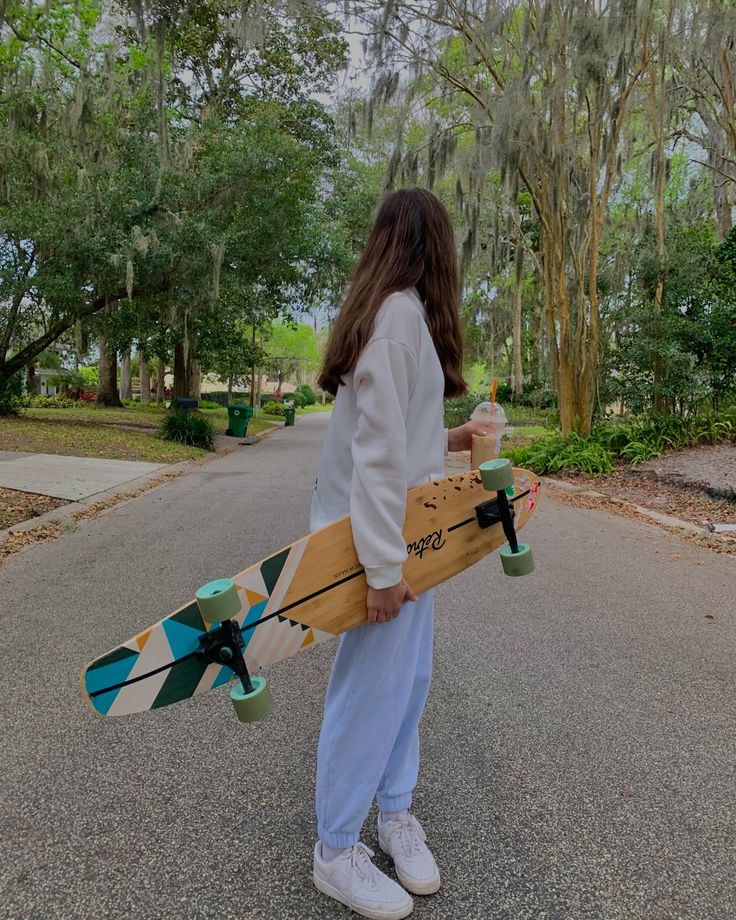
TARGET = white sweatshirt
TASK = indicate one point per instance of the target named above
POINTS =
(386, 434)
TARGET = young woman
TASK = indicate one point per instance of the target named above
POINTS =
(395, 352)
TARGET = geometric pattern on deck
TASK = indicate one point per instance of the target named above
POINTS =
(158, 666)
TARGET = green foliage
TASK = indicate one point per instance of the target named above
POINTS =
(310, 397)
(178, 187)
(552, 454)
(459, 408)
(45, 402)
(297, 398)
(274, 408)
(188, 428)
(635, 441)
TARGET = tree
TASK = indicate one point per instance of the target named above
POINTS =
(547, 89)
(292, 349)
(141, 162)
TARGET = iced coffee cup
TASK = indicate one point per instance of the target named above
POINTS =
(487, 447)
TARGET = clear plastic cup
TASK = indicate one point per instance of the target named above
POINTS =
(488, 447)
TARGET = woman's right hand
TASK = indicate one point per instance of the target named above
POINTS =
(384, 603)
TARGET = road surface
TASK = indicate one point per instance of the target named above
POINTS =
(579, 746)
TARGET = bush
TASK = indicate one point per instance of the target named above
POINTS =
(310, 397)
(297, 398)
(45, 402)
(188, 428)
(459, 408)
(555, 453)
(274, 408)
(210, 404)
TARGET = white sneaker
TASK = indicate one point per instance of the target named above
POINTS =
(403, 840)
(352, 879)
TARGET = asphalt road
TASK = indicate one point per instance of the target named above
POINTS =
(579, 744)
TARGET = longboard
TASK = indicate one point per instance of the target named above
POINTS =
(304, 594)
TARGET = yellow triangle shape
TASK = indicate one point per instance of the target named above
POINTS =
(142, 638)
(308, 640)
(254, 598)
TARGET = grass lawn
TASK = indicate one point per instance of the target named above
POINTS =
(84, 439)
(318, 407)
(136, 416)
(96, 431)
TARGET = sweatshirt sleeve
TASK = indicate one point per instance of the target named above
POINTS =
(383, 380)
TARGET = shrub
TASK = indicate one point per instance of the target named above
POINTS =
(459, 408)
(310, 397)
(297, 398)
(45, 402)
(188, 428)
(555, 453)
(274, 408)
(209, 404)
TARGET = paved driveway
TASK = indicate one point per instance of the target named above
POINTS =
(579, 746)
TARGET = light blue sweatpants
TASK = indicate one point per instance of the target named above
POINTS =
(369, 743)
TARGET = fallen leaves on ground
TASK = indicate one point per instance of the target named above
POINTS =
(22, 506)
(624, 493)
(22, 538)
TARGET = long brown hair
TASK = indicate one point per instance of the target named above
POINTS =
(411, 244)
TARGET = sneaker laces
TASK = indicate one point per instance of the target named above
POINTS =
(410, 834)
(360, 864)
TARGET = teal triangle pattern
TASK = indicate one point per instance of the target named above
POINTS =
(109, 673)
(182, 639)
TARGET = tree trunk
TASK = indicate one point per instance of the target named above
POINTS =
(145, 377)
(160, 381)
(230, 389)
(181, 378)
(126, 380)
(107, 386)
(194, 379)
(187, 375)
(722, 205)
(517, 378)
(253, 373)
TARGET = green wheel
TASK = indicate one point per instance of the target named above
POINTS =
(497, 475)
(252, 707)
(521, 563)
(218, 600)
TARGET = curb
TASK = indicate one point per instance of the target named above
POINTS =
(140, 485)
(656, 517)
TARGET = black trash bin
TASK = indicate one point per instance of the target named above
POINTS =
(238, 418)
(186, 405)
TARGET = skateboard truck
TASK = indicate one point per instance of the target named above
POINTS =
(498, 476)
(218, 603)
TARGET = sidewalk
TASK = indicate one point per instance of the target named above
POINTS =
(70, 478)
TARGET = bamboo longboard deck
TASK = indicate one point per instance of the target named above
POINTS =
(300, 596)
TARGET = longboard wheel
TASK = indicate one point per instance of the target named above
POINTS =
(521, 563)
(497, 475)
(252, 707)
(218, 600)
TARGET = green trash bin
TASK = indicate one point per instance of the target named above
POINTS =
(238, 418)
(289, 414)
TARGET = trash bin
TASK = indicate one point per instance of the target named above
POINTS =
(289, 414)
(238, 418)
(186, 405)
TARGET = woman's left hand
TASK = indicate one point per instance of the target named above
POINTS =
(462, 438)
